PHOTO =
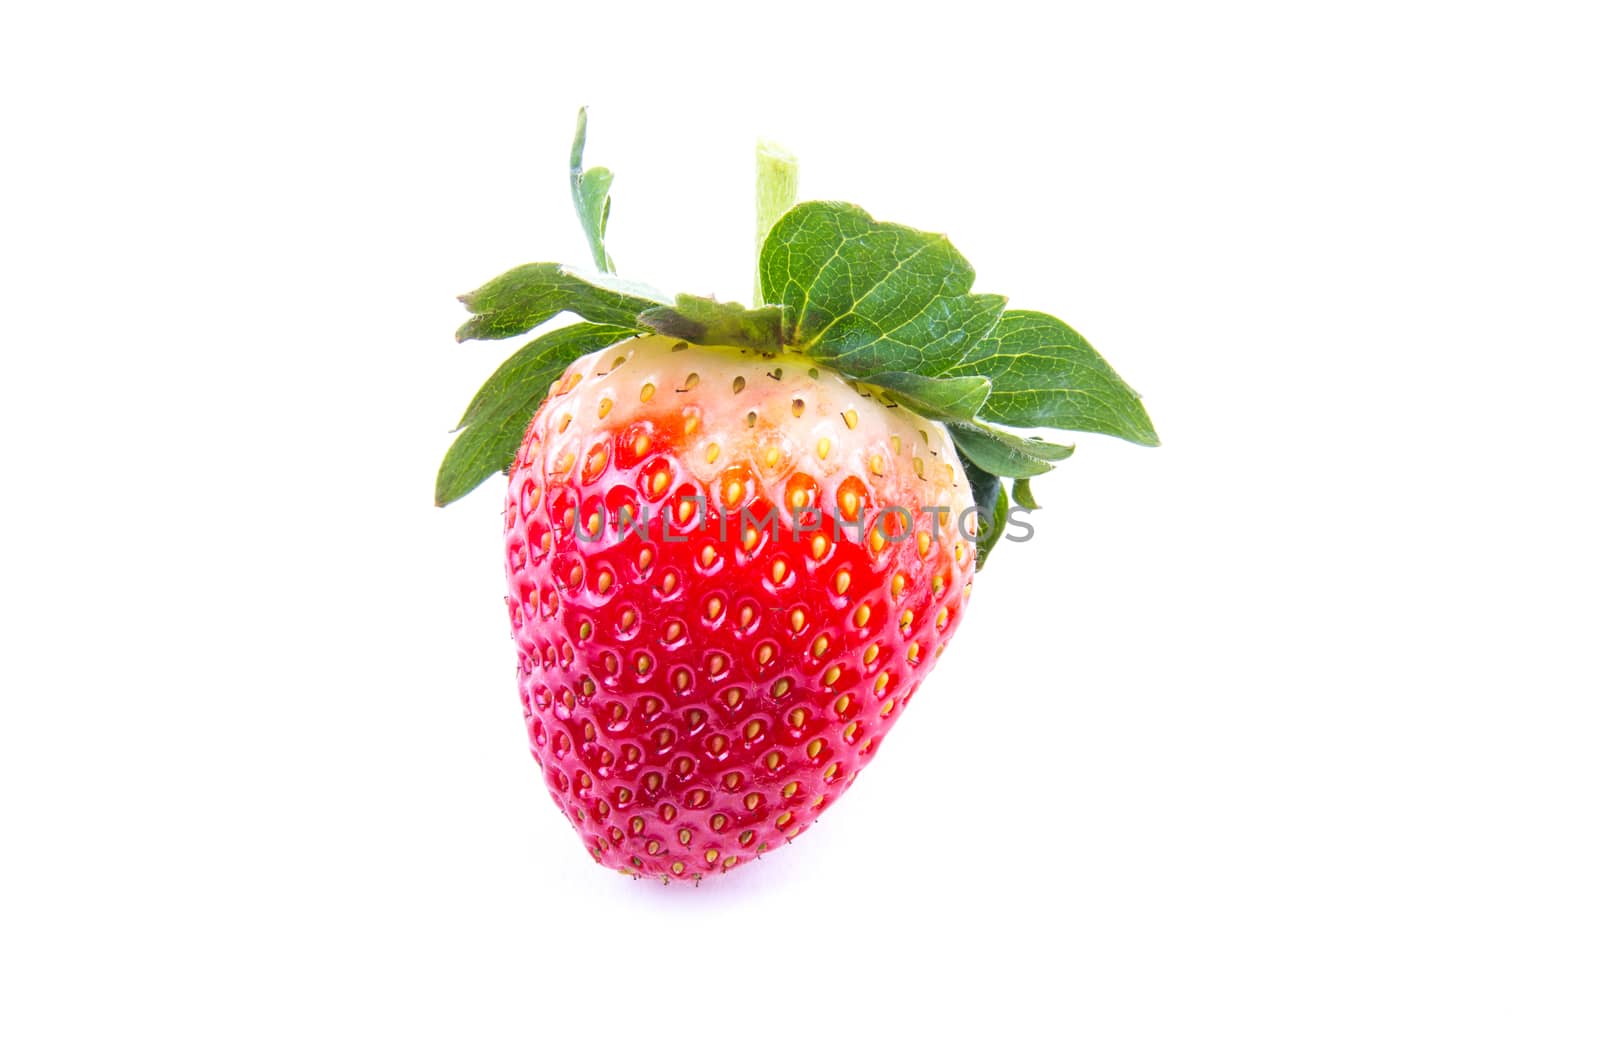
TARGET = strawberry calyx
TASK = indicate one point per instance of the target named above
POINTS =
(884, 305)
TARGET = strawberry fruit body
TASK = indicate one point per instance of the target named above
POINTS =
(737, 540)
(728, 575)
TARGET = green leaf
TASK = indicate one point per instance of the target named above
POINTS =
(865, 297)
(1005, 454)
(525, 297)
(943, 400)
(1022, 494)
(591, 196)
(1045, 374)
(493, 425)
(697, 319)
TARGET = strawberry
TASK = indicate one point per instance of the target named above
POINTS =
(737, 540)
(713, 666)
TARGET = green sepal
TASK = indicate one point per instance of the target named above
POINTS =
(943, 400)
(525, 297)
(491, 429)
(1005, 454)
(990, 498)
(1046, 374)
(697, 319)
(591, 197)
(866, 297)
(1022, 494)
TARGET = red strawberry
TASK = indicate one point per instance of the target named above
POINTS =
(737, 539)
(701, 674)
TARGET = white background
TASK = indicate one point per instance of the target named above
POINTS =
(1286, 728)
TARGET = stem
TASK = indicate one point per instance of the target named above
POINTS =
(777, 185)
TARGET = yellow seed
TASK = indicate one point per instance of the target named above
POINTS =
(692, 381)
(790, 788)
(831, 771)
(685, 510)
(820, 646)
(849, 504)
(863, 614)
(913, 651)
(733, 696)
(714, 607)
(851, 418)
(813, 748)
(876, 540)
(797, 618)
(841, 582)
(875, 463)
(719, 663)
(642, 663)
(658, 482)
(711, 856)
(708, 555)
(681, 680)
(645, 558)
(690, 424)
(669, 582)
(888, 707)
(566, 420)
(897, 585)
(774, 759)
(941, 618)
(850, 732)
(823, 446)
(894, 444)
(916, 464)
(764, 653)
(831, 675)
(730, 862)
(594, 524)
(870, 655)
(641, 444)
(647, 391)
(752, 731)
(841, 706)
(785, 819)
(907, 619)
(746, 615)
(749, 539)
(585, 630)
(685, 836)
(924, 542)
(674, 631)
(772, 457)
(961, 552)
(819, 546)
(712, 452)
(780, 570)
(735, 492)
(564, 462)
(780, 688)
(882, 680)
(629, 619)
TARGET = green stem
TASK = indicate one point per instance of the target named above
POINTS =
(777, 186)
